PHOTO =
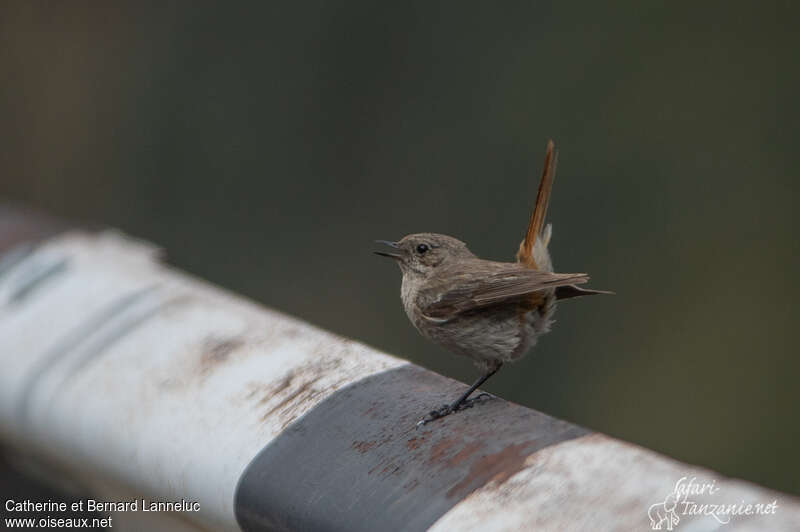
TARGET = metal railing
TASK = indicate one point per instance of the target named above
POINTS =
(151, 388)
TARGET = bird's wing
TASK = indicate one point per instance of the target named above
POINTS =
(482, 289)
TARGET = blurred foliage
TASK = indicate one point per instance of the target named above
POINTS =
(265, 145)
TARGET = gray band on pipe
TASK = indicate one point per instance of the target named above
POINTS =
(356, 461)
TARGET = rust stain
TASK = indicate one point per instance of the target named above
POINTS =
(411, 484)
(498, 467)
(216, 352)
(414, 443)
(297, 390)
(390, 469)
(388, 465)
(363, 446)
(303, 388)
(464, 453)
(440, 450)
(254, 390)
(281, 386)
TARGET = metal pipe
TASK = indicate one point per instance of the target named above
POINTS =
(144, 384)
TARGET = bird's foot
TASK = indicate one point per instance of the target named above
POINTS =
(446, 410)
(469, 403)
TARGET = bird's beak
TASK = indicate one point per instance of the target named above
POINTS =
(385, 254)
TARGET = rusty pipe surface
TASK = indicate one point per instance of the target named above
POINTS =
(140, 381)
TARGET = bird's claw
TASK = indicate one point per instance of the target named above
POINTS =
(435, 414)
(446, 410)
(477, 399)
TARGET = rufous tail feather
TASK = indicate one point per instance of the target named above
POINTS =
(525, 253)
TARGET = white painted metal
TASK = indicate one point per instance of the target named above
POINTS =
(598, 483)
(142, 381)
(150, 380)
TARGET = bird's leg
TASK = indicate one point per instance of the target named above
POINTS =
(462, 402)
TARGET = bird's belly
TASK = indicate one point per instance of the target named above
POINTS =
(489, 337)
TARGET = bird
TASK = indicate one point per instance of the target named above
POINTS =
(491, 312)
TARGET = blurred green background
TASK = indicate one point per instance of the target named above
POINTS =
(265, 145)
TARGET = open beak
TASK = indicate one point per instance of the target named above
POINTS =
(385, 254)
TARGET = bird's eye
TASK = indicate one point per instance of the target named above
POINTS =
(422, 248)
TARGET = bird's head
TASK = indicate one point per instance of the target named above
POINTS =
(422, 253)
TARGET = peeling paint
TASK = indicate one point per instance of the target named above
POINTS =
(413, 443)
(300, 388)
(363, 446)
(464, 454)
(496, 467)
(440, 450)
(304, 392)
(216, 351)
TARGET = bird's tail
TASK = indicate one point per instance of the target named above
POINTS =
(527, 253)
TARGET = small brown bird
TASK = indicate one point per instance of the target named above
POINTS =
(492, 312)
